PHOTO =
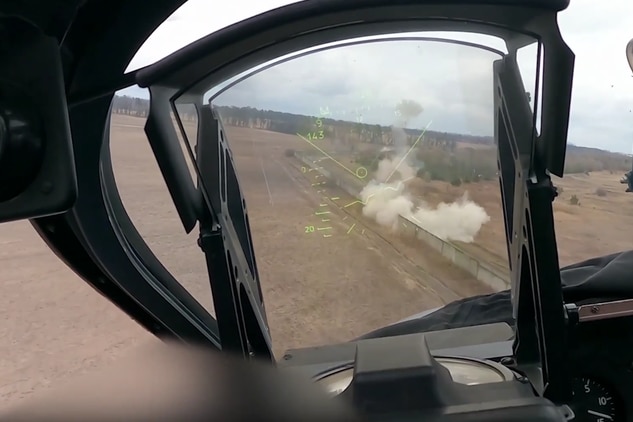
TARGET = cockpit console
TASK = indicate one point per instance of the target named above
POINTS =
(527, 372)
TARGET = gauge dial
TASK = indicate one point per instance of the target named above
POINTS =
(462, 370)
(594, 402)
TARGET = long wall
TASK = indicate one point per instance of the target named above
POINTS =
(481, 270)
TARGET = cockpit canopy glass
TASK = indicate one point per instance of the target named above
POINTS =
(369, 169)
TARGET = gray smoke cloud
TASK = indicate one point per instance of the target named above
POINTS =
(460, 220)
(386, 196)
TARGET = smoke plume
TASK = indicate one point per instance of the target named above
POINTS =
(390, 169)
(385, 200)
(386, 196)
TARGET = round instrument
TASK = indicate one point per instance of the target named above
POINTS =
(463, 371)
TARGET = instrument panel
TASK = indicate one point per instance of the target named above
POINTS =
(596, 401)
(601, 358)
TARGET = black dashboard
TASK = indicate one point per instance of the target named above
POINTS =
(600, 360)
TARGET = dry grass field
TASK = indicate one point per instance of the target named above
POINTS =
(317, 288)
(599, 224)
(593, 214)
(54, 326)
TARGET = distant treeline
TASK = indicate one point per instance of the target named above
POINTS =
(132, 106)
(289, 123)
(579, 159)
(293, 124)
(122, 104)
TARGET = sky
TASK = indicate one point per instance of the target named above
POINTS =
(451, 83)
(369, 80)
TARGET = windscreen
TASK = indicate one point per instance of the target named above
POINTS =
(370, 174)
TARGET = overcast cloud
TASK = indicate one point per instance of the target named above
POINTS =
(453, 90)
(451, 82)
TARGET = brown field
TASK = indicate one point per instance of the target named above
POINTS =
(600, 224)
(358, 278)
(597, 225)
(317, 289)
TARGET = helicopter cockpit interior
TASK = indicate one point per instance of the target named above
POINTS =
(288, 141)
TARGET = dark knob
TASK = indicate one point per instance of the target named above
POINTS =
(21, 148)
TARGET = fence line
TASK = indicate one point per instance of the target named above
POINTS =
(481, 270)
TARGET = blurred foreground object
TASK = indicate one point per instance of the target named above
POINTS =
(171, 382)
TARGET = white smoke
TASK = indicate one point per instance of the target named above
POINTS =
(399, 139)
(386, 197)
(396, 168)
(460, 220)
(384, 202)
